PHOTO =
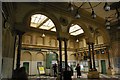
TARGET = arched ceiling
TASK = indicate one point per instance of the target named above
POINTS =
(55, 11)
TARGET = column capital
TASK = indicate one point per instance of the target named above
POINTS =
(19, 32)
(90, 43)
(62, 39)
(65, 39)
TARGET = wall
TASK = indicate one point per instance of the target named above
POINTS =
(7, 52)
(116, 56)
(36, 39)
(0, 40)
(32, 57)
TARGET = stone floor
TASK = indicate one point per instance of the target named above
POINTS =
(83, 77)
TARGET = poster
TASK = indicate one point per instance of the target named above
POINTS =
(41, 70)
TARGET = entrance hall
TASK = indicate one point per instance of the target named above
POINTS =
(39, 35)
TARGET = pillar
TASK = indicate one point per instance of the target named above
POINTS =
(60, 53)
(94, 67)
(110, 70)
(90, 62)
(67, 74)
(19, 48)
(65, 48)
(115, 47)
(93, 73)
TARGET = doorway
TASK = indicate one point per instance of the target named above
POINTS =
(103, 67)
(26, 65)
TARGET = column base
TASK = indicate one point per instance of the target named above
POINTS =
(110, 71)
(93, 75)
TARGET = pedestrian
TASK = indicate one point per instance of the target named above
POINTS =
(78, 70)
(55, 69)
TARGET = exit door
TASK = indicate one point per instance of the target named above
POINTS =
(103, 67)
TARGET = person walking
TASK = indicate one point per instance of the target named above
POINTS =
(55, 69)
(78, 70)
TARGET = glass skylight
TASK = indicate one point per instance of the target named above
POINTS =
(47, 25)
(37, 19)
(75, 30)
(54, 29)
(42, 22)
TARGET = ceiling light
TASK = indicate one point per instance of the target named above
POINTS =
(77, 15)
(70, 7)
(93, 14)
(107, 23)
(108, 27)
(43, 35)
(77, 40)
(106, 7)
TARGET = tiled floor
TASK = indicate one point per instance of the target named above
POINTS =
(83, 77)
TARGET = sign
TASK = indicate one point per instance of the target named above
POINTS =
(41, 70)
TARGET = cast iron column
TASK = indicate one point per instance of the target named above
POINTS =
(60, 53)
(90, 62)
(65, 45)
(19, 49)
(94, 68)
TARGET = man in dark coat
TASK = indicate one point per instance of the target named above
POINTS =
(55, 69)
(78, 70)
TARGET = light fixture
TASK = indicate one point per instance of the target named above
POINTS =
(70, 7)
(77, 40)
(77, 15)
(106, 7)
(107, 23)
(93, 15)
(108, 27)
(43, 35)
